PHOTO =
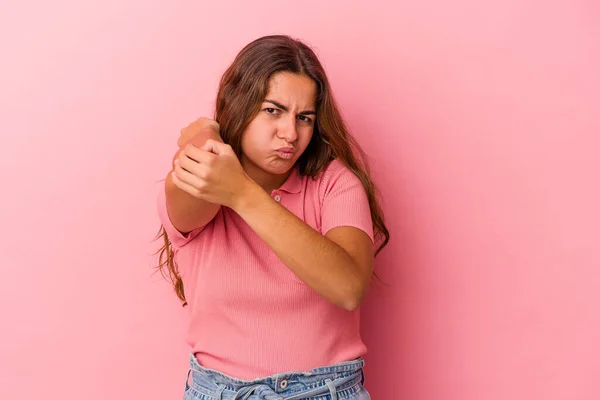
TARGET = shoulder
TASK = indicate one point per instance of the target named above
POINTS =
(343, 199)
(336, 174)
(335, 166)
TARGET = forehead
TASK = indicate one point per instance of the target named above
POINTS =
(292, 89)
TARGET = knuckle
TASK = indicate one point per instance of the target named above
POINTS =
(202, 175)
(205, 121)
(201, 188)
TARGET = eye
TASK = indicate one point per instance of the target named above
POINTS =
(304, 118)
(272, 111)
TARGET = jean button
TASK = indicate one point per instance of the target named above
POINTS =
(283, 384)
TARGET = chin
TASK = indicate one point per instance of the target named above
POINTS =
(279, 168)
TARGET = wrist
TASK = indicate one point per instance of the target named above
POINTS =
(249, 195)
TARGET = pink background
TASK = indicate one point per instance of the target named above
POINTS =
(483, 123)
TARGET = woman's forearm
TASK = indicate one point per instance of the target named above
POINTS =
(319, 262)
(186, 211)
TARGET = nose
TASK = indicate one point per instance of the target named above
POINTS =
(287, 130)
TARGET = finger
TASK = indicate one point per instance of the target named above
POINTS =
(186, 163)
(191, 151)
(204, 154)
(201, 155)
(215, 147)
(206, 158)
(184, 186)
(190, 166)
(188, 178)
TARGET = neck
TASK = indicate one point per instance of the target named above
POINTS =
(268, 182)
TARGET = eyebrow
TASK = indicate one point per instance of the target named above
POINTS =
(284, 108)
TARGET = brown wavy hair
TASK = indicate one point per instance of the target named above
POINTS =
(243, 88)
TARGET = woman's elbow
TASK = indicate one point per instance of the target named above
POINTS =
(352, 300)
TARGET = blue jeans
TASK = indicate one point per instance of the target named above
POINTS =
(342, 381)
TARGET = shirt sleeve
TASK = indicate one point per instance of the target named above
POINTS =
(177, 238)
(345, 201)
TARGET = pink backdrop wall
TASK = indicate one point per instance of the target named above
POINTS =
(483, 122)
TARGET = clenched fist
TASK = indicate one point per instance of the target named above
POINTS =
(212, 173)
(199, 131)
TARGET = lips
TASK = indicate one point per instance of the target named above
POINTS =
(286, 152)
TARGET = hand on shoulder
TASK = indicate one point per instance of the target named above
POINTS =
(199, 131)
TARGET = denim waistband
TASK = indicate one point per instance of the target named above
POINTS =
(339, 381)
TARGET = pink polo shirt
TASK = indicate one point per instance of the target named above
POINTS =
(249, 315)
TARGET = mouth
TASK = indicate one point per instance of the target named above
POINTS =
(285, 152)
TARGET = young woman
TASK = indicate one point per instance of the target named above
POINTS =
(270, 224)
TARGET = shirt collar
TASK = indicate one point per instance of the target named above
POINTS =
(293, 184)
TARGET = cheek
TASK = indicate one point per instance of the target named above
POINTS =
(260, 131)
(306, 137)
(255, 141)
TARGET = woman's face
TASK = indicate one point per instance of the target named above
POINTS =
(282, 129)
